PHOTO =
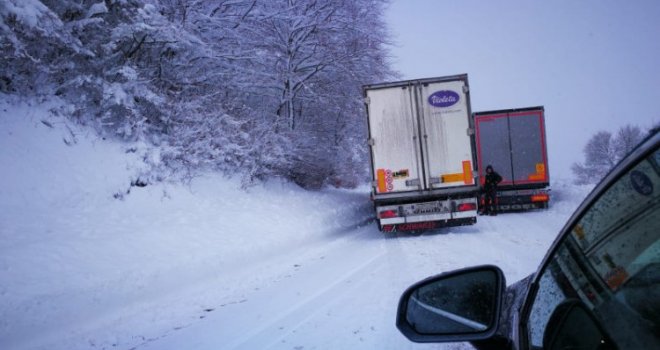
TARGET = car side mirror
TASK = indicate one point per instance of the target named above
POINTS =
(461, 305)
(573, 326)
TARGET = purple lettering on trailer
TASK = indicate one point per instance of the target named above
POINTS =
(443, 98)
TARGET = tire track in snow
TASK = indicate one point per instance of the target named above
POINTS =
(325, 275)
(272, 334)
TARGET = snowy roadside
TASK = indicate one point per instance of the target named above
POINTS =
(71, 255)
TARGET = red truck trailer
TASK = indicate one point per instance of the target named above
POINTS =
(513, 142)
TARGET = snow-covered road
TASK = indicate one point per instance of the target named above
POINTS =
(207, 265)
(342, 292)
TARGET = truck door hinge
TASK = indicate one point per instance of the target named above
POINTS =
(435, 180)
(466, 89)
(470, 131)
(367, 100)
(371, 142)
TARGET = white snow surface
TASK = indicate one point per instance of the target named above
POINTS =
(206, 264)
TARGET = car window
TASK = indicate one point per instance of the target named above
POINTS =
(610, 263)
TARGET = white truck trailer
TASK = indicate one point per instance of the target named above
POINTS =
(422, 153)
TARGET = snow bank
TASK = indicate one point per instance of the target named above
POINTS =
(73, 257)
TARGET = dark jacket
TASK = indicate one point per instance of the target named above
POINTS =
(492, 179)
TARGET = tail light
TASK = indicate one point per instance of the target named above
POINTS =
(540, 198)
(387, 214)
(467, 207)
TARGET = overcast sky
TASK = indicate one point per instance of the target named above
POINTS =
(593, 64)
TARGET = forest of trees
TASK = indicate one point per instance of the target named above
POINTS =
(259, 88)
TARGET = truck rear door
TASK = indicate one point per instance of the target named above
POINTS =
(393, 127)
(445, 121)
(528, 153)
(494, 146)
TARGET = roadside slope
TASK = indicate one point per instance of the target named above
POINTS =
(84, 267)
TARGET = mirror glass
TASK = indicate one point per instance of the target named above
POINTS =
(610, 262)
(459, 304)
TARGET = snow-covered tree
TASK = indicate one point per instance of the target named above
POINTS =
(603, 151)
(260, 88)
(322, 52)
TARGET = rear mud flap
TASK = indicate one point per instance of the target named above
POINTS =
(427, 225)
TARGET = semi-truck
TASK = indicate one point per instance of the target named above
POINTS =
(423, 157)
(513, 142)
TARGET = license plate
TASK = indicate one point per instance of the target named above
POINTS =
(424, 208)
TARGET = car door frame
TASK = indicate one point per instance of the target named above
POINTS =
(645, 149)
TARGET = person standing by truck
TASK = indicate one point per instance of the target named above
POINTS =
(490, 191)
